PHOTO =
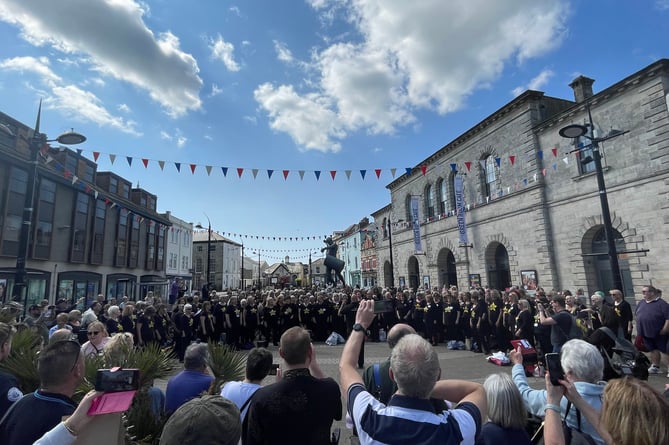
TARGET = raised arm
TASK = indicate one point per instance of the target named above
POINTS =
(348, 374)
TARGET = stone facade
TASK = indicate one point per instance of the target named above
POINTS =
(532, 198)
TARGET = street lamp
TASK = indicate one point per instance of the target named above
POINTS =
(37, 141)
(259, 281)
(390, 247)
(199, 226)
(242, 265)
(574, 131)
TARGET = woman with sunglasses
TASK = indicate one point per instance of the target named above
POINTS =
(97, 339)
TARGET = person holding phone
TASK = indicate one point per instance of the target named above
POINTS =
(583, 366)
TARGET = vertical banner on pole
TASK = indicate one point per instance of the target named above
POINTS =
(415, 223)
(460, 208)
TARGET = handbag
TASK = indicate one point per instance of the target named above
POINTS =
(572, 436)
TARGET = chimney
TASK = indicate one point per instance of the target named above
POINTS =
(582, 87)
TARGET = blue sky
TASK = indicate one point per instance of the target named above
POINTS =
(312, 85)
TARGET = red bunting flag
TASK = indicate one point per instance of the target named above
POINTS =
(96, 155)
(512, 158)
(333, 173)
(554, 150)
(468, 164)
(285, 174)
(145, 162)
(240, 171)
(192, 168)
(423, 168)
(378, 172)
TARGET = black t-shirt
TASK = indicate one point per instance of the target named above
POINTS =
(560, 331)
(9, 391)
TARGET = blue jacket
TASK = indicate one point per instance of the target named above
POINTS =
(535, 400)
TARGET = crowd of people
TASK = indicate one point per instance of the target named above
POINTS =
(404, 399)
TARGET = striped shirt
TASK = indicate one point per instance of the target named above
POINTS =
(408, 420)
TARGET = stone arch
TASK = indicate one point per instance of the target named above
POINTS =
(498, 257)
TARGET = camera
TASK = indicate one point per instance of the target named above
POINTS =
(381, 306)
(117, 380)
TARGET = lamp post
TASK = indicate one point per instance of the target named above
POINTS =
(259, 281)
(206, 273)
(242, 271)
(37, 141)
(390, 247)
(574, 131)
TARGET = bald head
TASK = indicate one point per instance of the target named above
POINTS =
(397, 332)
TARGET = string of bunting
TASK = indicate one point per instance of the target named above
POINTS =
(509, 160)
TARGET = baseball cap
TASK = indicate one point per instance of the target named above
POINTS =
(210, 419)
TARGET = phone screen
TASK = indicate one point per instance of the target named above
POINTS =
(383, 306)
(115, 381)
(554, 368)
(273, 369)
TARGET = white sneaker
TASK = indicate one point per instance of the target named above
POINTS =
(654, 369)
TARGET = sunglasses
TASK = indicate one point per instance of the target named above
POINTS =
(93, 332)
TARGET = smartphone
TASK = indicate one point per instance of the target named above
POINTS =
(554, 367)
(117, 380)
(274, 369)
(381, 306)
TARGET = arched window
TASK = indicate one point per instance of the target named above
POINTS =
(442, 193)
(451, 192)
(407, 207)
(429, 201)
(489, 176)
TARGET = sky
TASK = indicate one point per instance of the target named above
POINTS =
(301, 86)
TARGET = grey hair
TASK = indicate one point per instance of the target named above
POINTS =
(196, 356)
(505, 404)
(415, 366)
(523, 303)
(113, 310)
(583, 360)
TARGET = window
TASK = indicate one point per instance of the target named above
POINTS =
(442, 193)
(490, 175)
(18, 182)
(134, 241)
(113, 185)
(586, 162)
(98, 241)
(121, 239)
(429, 201)
(125, 191)
(450, 196)
(44, 229)
(160, 257)
(80, 229)
(150, 246)
(407, 207)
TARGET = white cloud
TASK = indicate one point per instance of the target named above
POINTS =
(124, 108)
(215, 90)
(115, 39)
(177, 137)
(282, 52)
(69, 99)
(662, 5)
(251, 119)
(537, 83)
(224, 51)
(166, 136)
(408, 56)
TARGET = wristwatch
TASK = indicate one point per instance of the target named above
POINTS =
(358, 327)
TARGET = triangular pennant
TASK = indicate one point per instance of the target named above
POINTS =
(423, 168)
(145, 162)
(408, 171)
(468, 164)
(393, 171)
(540, 154)
(269, 174)
(112, 158)
(74, 179)
(96, 155)
(318, 174)
(348, 174)
(565, 160)
(512, 159)
(178, 166)
(333, 173)
(208, 168)
(301, 173)
(378, 172)
(79, 151)
(240, 170)
(554, 150)
(498, 161)
(363, 173)
(129, 159)
(454, 168)
(554, 166)
(95, 193)
(254, 172)
(161, 164)
(225, 171)
(192, 168)
(285, 174)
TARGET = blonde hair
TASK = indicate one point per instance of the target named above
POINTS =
(118, 348)
(634, 413)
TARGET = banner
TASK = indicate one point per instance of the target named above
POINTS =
(415, 222)
(460, 208)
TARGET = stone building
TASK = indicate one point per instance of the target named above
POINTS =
(531, 198)
(225, 261)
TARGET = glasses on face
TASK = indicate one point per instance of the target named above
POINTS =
(92, 333)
